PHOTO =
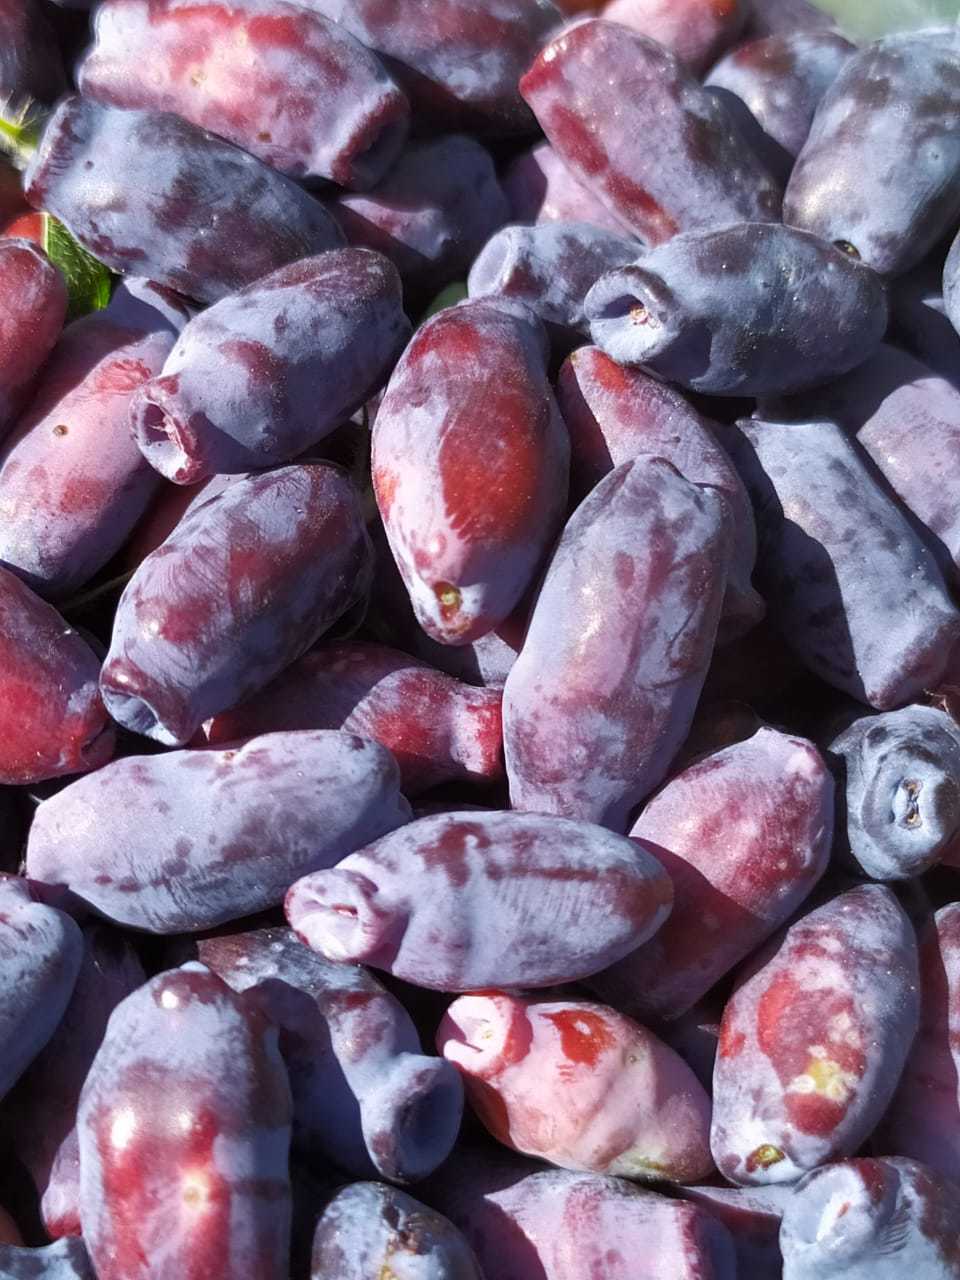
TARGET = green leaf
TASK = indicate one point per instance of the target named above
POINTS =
(20, 130)
(869, 19)
(448, 297)
(89, 283)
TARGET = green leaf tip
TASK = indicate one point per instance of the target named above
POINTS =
(89, 283)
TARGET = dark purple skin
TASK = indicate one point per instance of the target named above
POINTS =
(604, 690)
(138, 303)
(900, 782)
(752, 309)
(431, 214)
(184, 205)
(364, 1093)
(780, 17)
(51, 1085)
(613, 103)
(752, 1215)
(186, 840)
(540, 188)
(858, 597)
(550, 267)
(781, 79)
(872, 1220)
(64, 1260)
(30, 65)
(919, 320)
(35, 304)
(369, 1229)
(72, 482)
(41, 950)
(951, 284)
(264, 374)
(246, 582)
(880, 170)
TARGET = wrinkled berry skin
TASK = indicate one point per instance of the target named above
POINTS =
(871, 1220)
(752, 309)
(814, 1038)
(430, 215)
(72, 482)
(245, 584)
(109, 972)
(745, 834)
(186, 840)
(532, 1224)
(34, 306)
(615, 414)
(458, 60)
(313, 103)
(613, 103)
(857, 596)
(606, 684)
(460, 901)
(923, 1121)
(580, 1086)
(782, 79)
(64, 1260)
(880, 170)
(901, 796)
(540, 188)
(41, 950)
(364, 1094)
(262, 375)
(438, 729)
(181, 201)
(752, 1215)
(184, 1131)
(52, 719)
(697, 31)
(370, 1229)
(30, 65)
(470, 461)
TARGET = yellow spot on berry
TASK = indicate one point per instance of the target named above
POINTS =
(765, 1157)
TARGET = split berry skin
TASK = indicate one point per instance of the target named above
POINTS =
(245, 584)
(41, 950)
(748, 310)
(612, 103)
(580, 1086)
(540, 188)
(879, 172)
(463, 901)
(262, 375)
(185, 840)
(371, 1229)
(313, 103)
(35, 305)
(181, 200)
(72, 482)
(437, 728)
(871, 1220)
(615, 414)
(745, 835)
(30, 63)
(470, 463)
(604, 690)
(900, 798)
(549, 267)
(52, 718)
(184, 1129)
(814, 1039)
(697, 31)
(364, 1093)
(858, 597)
(62, 1260)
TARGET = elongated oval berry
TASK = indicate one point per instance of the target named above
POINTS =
(437, 728)
(460, 901)
(260, 376)
(745, 834)
(605, 687)
(151, 194)
(615, 414)
(189, 839)
(184, 1131)
(245, 584)
(814, 1039)
(470, 459)
(365, 1095)
(72, 482)
(34, 305)
(697, 31)
(540, 188)
(52, 719)
(580, 1086)
(889, 188)
(750, 309)
(614, 104)
(312, 102)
